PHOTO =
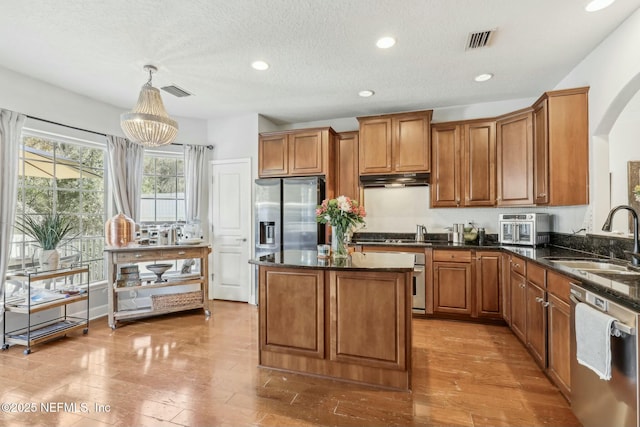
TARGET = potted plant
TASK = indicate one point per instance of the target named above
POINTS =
(49, 230)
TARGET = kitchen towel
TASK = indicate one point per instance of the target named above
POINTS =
(593, 339)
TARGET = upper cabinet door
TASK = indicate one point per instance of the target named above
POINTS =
(445, 174)
(273, 155)
(479, 164)
(375, 145)
(306, 153)
(515, 160)
(541, 149)
(411, 142)
(568, 146)
(346, 168)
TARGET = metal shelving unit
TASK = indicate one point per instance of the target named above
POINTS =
(42, 292)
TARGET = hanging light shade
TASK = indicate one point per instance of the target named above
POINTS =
(148, 123)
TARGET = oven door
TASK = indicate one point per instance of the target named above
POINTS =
(508, 232)
(525, 233)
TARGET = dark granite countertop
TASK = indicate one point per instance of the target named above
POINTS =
(624, 290)
(358, 261)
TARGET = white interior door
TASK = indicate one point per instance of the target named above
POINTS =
(230, 203)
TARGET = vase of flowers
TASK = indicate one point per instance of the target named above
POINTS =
(341, 213)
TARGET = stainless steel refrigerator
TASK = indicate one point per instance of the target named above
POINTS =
(285, 214)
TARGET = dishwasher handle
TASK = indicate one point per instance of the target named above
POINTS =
(617, 325)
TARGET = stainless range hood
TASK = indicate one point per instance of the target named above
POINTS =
(395, 180)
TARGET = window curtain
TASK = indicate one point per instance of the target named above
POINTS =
(10, 130)
(125, 167)
(194, 156)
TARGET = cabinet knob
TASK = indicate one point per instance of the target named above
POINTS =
(522, 285)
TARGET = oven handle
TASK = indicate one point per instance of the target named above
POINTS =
(617, 325)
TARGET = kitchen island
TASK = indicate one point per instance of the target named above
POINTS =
(348, 319)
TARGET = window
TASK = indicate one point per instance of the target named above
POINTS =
(64, 176)
(162, 189)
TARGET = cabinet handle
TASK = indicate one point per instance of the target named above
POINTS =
(138, 255)
(542, 195)
(181, 253)
(545, 304)
(522, 285)
(516, 265)
(539, 299)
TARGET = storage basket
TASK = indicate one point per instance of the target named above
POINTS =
(184, 299)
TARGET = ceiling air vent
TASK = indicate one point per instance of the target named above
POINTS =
(176, 91)
(480, 39)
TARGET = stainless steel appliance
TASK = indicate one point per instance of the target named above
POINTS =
(598, 402)
(419, 297)
(530, 229)
(285, 214)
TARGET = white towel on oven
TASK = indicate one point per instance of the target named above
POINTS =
(593, 339)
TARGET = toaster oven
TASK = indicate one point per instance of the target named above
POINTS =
(529, 229)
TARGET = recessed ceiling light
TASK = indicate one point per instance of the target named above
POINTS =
(366, 93)
(483, 77)
(385, 42)
(596, 5)
(259, 65)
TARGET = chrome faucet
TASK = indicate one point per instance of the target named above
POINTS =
(635, 255)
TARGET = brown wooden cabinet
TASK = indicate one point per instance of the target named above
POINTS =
(296, 153)
(346, 324)
(518, 292)
(487, 285)
(515, 159)
(561, 139)
(558, 329)
(505, 287)
(273, 155)
(541, 318)
(395, 143)
(452, 280)
(536, 321)
(464, 162)
(446, 175)
(346, 166)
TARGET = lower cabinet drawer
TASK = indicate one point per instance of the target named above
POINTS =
(451, 255)
(182, 253)
(559, 285)
(126, 257)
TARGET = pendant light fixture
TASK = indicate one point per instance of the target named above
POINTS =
(148, 123)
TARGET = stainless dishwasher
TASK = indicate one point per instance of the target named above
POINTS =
(598, 402)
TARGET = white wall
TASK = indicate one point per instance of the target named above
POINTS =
(624, 145)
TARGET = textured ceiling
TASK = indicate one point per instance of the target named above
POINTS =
(322, 52)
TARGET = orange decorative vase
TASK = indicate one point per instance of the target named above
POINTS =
(119, 231)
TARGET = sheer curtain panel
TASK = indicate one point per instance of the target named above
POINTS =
(10, 130)
(125, 167)
(194, 156)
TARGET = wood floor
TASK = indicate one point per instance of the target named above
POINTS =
(183, 370)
